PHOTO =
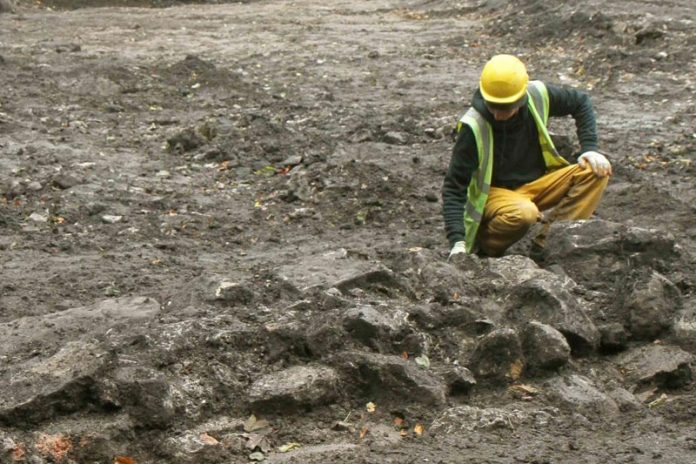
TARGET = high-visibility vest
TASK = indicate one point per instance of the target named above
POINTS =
(477, 192)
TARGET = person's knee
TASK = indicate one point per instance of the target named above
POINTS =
(524, 215)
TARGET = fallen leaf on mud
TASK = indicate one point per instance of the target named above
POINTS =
(124, 460)
(371, 407)
(419, 429)
(404, 355)
(224, 166)
(289, 447)
(516, 369)
(398, 421)
(361, 217)
(364, 432)
(403, 433)
(253, 424)
(524, 389)
(423, 361)
(266, 171)
(208, 440)
(658, 402)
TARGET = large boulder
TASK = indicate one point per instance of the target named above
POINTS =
(498, 356)
(598, 254)
(294, 388)
(544, 347)
(578, 393)
(374, 326)
(383, 377)
(535, 294)
(657, 365)
(42, 388)
(651, 306)
(546, 300)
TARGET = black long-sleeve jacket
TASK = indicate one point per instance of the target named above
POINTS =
(517, 157)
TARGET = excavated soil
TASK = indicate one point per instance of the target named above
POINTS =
(197, 196)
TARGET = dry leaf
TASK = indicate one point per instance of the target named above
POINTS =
(398, 421)
(524, 389)
(364, 432)
(419, 429)
(371, 407)
(516, 369)
(404, 355)
(423, 361)
(404, 433)
(124, 460)
(207, 439)
(288, 447)
(252, 424)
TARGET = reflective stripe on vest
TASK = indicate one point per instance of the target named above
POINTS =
(480, 184)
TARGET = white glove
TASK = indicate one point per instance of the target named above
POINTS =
(598, 162)
(459, 247)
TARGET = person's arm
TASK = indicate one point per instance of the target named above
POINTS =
(463, 163)
(565, 101)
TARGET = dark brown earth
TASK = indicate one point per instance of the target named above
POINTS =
(197, 196)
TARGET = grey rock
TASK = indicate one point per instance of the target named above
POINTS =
(371, 325)
(613, 337)
(232, 292)
(658, 365)
(651, 306)
(396, 138)
(544, 347)
(467, 418)
(34, 186)
(381, 279)
(7, 6)
(42, 388)
(459, 380)
(498, 356)
(594, 252)
(578, 393)
(324, 270)
(51, 331)
(547, 299)
(65, 181)
(146, 396)
(685, 324)
(291, 161)
(295, 387)
(625, 400)
(385, 378)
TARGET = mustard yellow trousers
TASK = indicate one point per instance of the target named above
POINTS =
(574, 193)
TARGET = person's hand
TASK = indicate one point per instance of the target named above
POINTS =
(598, 162)
(459, 247)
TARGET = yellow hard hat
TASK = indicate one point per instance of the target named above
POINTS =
(503, 80)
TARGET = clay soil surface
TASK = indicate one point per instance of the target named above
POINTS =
(223, 165)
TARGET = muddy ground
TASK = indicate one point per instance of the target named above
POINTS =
(210, 211)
